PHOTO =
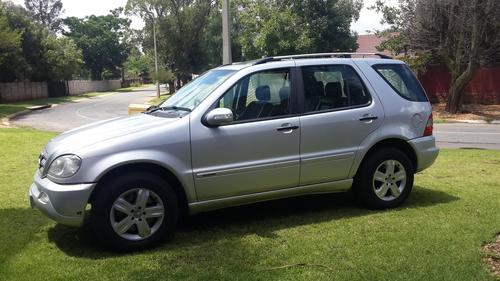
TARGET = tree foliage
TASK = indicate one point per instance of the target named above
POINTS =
(271, 27)
(189, 32)
(10, 42)
(101, 40)
(30, 51)
(63, 58)
(46, 12)
(462, 34)
(138, 65)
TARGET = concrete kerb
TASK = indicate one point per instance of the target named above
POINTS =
(6, 120)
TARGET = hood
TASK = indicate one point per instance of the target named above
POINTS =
(70, 141)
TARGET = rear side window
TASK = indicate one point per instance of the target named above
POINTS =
(332, 87)
(402, 80)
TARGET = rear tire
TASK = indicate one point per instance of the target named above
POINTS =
(384, 179)
(134, 212)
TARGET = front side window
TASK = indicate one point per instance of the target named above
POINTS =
(328, 87)
(402, 80)
(260, 95)
(192, 94)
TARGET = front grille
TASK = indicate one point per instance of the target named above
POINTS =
(41, 163)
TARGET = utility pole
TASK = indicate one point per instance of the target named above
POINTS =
(226, 36)
(156, 60)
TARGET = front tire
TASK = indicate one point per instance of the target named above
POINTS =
(134, 212)
(385, 179)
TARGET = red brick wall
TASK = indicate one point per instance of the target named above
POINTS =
(483, 89)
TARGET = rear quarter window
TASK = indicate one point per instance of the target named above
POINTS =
(402, 80)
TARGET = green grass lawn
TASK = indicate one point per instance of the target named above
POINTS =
(437, 235)
(158, 101)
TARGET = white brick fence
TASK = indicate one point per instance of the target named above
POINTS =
(77, 87)
(21, 91)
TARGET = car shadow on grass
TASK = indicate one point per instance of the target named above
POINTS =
(20, 227)
(262, 219)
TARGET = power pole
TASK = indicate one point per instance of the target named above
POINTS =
(156, 60)
(226, 36)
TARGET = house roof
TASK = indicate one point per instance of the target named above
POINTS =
(368, 44)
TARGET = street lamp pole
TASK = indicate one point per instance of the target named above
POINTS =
(156, 60)
(226, 36)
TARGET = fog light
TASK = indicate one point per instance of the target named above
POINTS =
(43, 197)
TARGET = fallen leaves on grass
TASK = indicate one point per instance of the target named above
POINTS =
(493, 256)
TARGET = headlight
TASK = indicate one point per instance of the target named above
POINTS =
(65, 166)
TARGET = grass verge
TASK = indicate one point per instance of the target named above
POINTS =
(158, 101)
(437, 235)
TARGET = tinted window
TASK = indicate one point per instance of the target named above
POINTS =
(329, 87)
(259, 95)
(402, 80)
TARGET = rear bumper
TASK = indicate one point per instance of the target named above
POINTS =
(426, 151)
(63, 203)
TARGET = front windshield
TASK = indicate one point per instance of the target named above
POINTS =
(197, 90)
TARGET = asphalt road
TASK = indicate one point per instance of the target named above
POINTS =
(458, 135)
(71, 115)
(67, 116)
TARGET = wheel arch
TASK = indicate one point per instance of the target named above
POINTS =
(398, 143)
(153, 168)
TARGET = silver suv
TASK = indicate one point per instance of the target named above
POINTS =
(242, 133)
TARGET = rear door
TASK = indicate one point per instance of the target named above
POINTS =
(338, 113)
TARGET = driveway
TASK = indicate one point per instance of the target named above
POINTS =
(71, 115)
(458, 135)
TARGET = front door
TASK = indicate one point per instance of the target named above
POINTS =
(338, 114)
(259, 151)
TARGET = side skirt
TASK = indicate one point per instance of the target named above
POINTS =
(329, 187)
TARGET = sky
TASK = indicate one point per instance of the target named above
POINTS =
(369, 20)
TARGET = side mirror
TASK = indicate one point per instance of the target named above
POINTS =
(219, 116)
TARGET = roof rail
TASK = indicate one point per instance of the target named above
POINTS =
(320, 55)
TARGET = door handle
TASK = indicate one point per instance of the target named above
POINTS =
(365, 118)
(287, 128)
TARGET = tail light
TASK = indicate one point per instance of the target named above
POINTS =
(429, 126)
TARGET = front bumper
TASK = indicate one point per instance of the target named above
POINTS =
(63, 203)
(426, 151)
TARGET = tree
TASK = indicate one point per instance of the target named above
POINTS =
(181, 35)
(63, 58)
(461, 34)
(28, 63)
(279, 27)
(464, 34)
(46, 12)
(28, 51)
(10, 42)
(138, 65)
(101, 40)
(270, 29)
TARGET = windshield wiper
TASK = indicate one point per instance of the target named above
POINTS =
(175, 108)
(152, 109)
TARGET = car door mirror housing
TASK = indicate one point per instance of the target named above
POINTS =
(219, 117)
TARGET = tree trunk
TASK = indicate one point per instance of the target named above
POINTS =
(460, 80)
(457, 88)
(171, 87)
